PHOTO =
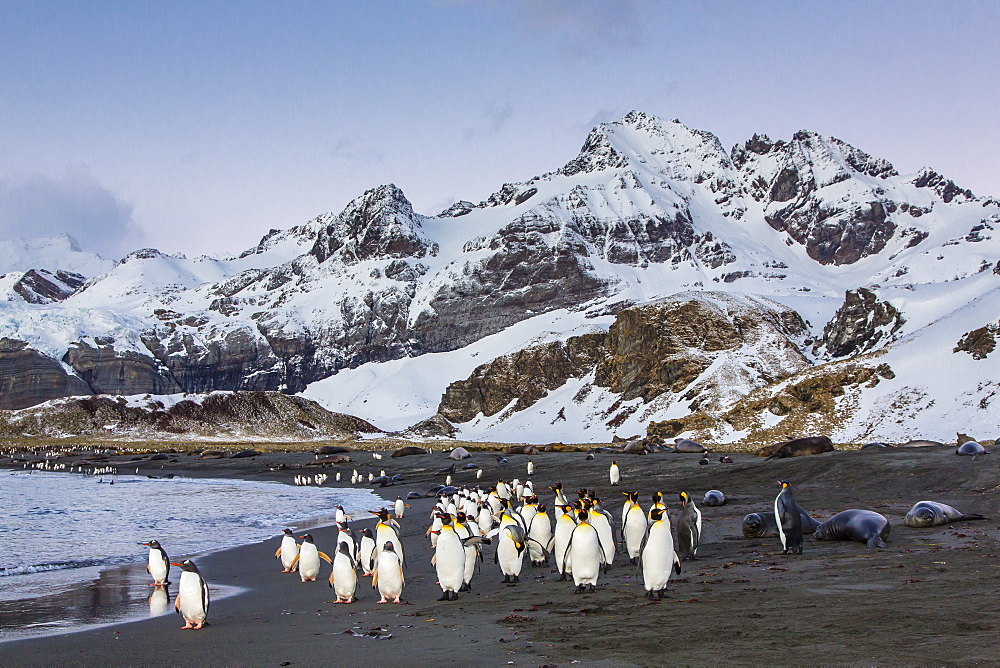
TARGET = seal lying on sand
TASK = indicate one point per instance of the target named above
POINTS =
(714, 497)
(797, 447)
(971, 448)
(865, 526)
(763, 525)
(687, 445)
(932, 514)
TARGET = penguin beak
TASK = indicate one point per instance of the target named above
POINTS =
(173, 564)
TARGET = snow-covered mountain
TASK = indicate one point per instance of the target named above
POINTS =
(795, 257)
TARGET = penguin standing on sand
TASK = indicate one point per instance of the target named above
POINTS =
(614, 474)
(601, 521)
(565, 524)
(449, 560)
(539, 537)
(308, 559)
(657, 503)
(389, 578)
(510, 551)
(385, 532)
(344, 576)
(657, 556)
(585, 551)
(287, 551)
(788, 519)
(634, 525)
(192, 596)
(688, 528)
(158, 565)
(367, 552)
(399, 507)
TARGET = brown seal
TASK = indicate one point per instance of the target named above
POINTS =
(809, 445)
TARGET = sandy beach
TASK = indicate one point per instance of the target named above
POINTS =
(927, 598)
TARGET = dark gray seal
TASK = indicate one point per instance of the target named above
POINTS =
(874, 445)
(714, 498)
(971, 448)
(920, 443)
(408, 450)
(763, 525)
(797, 447)
(687, 445)
(865, 526)
(932, 514)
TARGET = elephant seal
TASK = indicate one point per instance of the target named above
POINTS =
(874, 445)
(932, 514)
(797, 447)
(245, 453)
(763, 525)
(865, 526)
(714, 497)
(971, 448)
(687, 445)
(409, 450)
(459, 454)
(332, 450)
(414, 495)
(920, 443)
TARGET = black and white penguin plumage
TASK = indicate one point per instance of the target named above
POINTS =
(158, 565)
(192, 596)
(788, 519)
(688, 528)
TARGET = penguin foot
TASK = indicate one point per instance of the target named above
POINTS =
(454, 595)
(383, 600)
(515, 579)
(465, 587)
(445, 596)
(579, 589)
(592, 588)
(661, 594)
(649, 594)
(506, 579)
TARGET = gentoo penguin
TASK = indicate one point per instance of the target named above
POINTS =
(510, 551)
(634, 525)
(344, 576)
(786, 516)
(688, 528)
(658, 556)
(308, 559)
(399, 507)
(287, 551)
(367, 553)
(449, 560)
(389, 578)
(479, 474)
(158, 565)
(192, 596)
(565, 524)
(539, 537)
(585, 551)
(615, 474)
(385, 532)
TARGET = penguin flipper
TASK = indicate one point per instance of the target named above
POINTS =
(322, 555)
(177, 603)
(294, 563)
(677, 564)
(147, 568)
(545, 552)
(277, 554)
(204, 596)
(434, 559)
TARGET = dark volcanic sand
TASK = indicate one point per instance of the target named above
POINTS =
(929, 598)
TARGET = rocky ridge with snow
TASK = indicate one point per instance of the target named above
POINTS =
(378, 310)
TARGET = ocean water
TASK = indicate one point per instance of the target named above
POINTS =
(71, 553)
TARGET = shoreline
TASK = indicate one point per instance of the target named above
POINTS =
(741, 602)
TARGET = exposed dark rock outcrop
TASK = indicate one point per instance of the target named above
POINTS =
(861, 324)
(979, 342)
(436, 426)
(108, 371)
(44, 287)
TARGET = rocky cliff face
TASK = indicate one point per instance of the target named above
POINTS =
(27, 377)
(861, 324)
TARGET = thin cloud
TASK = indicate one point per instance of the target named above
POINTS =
(38, 206)
(494, 120)
(348, 151)
(587, 27)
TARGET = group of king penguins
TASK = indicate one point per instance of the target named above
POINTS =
(192, 598)
(582, 541)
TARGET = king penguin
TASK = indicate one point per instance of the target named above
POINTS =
(658, 556)
(158, 565)
(539, 537)
(786, 516)
(634, 525)
(688, 528)
(389, 578)
(449, 560)
(585, 551)
(344, 576)
(565, 524)
(192, 596)
(614, 474)
(510, 551)
(287, 551)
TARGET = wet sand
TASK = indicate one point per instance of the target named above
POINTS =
(928, 598)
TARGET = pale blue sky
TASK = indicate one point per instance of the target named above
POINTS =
(197, 126)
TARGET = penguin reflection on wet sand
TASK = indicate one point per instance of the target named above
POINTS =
(192, 596)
